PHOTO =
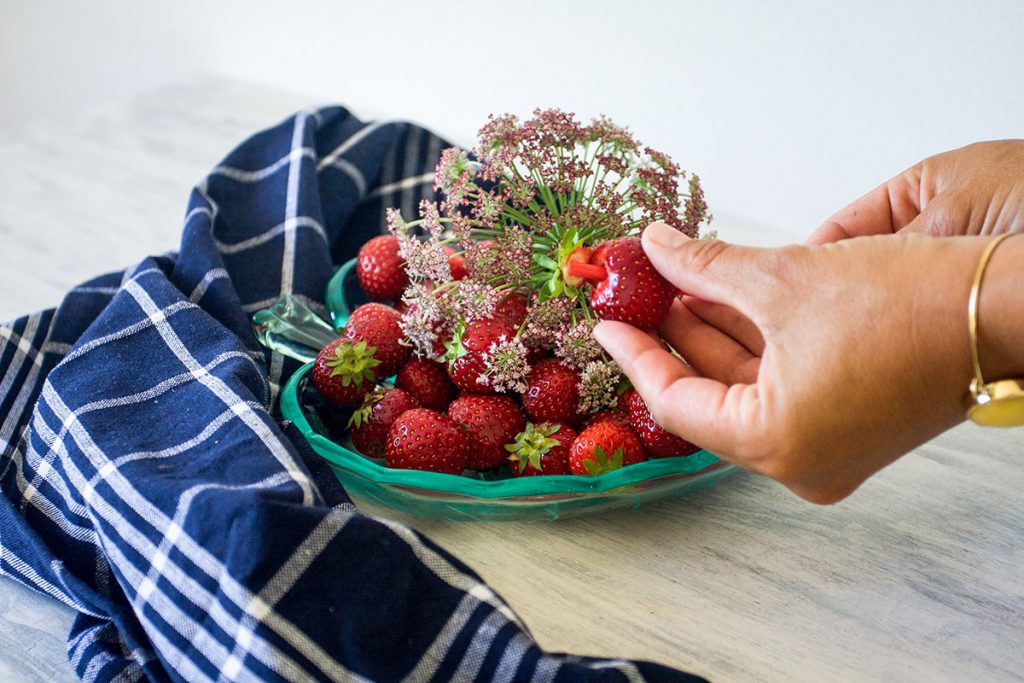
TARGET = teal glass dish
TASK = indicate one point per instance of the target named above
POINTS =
(481, 497)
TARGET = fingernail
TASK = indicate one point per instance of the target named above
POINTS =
(664, 236)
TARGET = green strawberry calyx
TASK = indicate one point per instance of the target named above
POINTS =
(532, 444)
(454, 348)
(353, 362)
(601, 463)
(362, 415)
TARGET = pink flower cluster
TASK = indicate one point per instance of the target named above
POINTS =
(510, 212)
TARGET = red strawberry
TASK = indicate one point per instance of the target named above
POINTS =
(345, 371)
(512, 309)
(626, 401)
(617, 416)
(381, 271)
(658, 441)
(457, 262)
(604, 447)
(541, 449)
(421, 439)
(466, 353)
(370, 424)
(490, 422)
(427, 381)
(380, 326)
(626, 285)
(552, 393)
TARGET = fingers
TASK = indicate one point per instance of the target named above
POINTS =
(699, 409)
(710, 352)
(709, 269)
(730, 321)
(884, 210)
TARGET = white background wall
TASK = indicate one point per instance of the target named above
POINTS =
(787, 109)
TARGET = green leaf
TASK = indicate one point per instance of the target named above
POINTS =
(548, 262)
(601, 463)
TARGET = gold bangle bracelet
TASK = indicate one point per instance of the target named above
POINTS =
(996, 404)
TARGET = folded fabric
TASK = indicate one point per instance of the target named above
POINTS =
(147, 484)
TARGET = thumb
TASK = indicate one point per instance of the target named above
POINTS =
(711, 270)
(945, 216)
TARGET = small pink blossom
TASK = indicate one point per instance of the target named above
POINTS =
(473, 300)
(576, 345)
(598, 386)
(506, 365)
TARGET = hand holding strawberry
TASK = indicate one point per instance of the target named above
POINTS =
(870, 363)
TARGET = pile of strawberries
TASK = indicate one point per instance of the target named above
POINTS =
(443, 416)
(497, 286)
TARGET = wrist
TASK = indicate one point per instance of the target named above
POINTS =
(1001, 313)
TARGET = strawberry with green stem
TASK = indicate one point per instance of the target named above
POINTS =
(345, 371)
(467, 353)
(369, 424)
(380, 326)
(625, 285)
(604, 447)
(541, 449)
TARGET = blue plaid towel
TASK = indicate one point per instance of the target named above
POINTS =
(147, 484)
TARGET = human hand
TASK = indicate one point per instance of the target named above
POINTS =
(829, 368)
(975, 190)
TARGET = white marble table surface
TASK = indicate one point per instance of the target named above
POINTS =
(919, 576)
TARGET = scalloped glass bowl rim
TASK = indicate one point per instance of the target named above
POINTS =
(355, 463)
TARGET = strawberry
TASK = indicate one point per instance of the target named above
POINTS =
(345, 371)
(604, 447)
(370, 424)
(381, 327)
(552, 393)
(466, 352)
(427, 381)
(457, 262)
(626, 400)
(659, 442)
(512, 309)
(490, 422)
(422, 439)
(626, 286)
(381, 271)
(541, 449)
(617, 416)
